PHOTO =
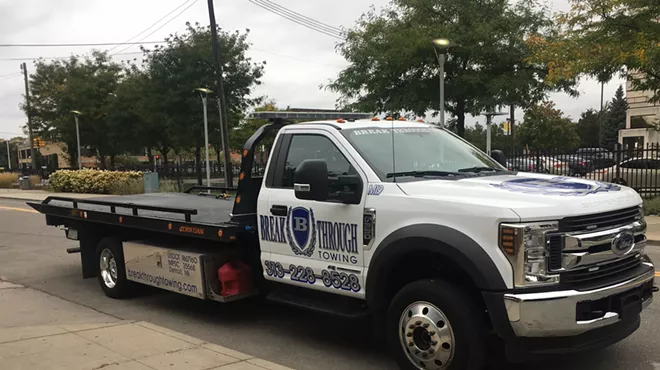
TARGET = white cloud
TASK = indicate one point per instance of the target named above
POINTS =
(298, 59)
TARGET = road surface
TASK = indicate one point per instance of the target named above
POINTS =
(35, 255)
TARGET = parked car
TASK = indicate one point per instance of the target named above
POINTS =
(555, 166)
(638, 173)
(526, 164)
(578, 166)
(601, 158)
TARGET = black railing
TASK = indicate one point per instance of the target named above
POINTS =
(638, 167)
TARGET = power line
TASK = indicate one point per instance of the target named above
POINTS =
(153, 24)
(326, 26)
(163, 25)
(82, 44)
(10, 74)
(35, 58)
(301, 20)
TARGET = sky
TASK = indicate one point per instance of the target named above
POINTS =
(298, 59)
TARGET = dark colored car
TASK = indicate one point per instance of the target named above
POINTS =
(601, 158)
(578, 165)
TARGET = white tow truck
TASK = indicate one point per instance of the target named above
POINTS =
(402, 221)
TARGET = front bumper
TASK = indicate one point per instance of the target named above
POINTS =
(558, 314)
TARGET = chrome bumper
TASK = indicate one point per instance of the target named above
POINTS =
(553, 314)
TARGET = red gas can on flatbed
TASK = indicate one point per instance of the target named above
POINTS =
(235, 277)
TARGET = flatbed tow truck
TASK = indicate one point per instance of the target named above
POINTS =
(441, 246)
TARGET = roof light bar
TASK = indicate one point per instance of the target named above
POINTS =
(309, 115)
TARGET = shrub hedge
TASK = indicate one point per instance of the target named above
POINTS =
(91, 181)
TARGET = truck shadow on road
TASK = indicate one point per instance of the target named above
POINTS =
(311, 340)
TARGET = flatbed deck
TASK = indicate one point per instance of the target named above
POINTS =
(199, 216)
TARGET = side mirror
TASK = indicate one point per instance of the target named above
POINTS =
(346, 188)
(310, 181)
(498, 156)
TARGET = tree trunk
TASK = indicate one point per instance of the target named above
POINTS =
(102, 160)
(218, 155)
(198, 163)
(460, 117)
(150, 156)
(112, 162)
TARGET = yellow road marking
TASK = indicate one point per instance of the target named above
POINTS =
(19, 209)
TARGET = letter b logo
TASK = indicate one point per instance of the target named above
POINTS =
(300, 224)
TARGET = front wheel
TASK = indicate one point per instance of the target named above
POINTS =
(111, 269)
(434, 325)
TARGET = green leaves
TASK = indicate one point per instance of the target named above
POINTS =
(545, 127)
(393, 66)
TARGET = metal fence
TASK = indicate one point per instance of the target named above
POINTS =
(638, 168)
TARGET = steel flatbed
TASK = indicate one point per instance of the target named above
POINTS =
(195, 215)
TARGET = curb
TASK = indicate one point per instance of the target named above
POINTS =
(25, 199)
(655, 243)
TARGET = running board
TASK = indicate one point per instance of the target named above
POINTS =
(321, 302)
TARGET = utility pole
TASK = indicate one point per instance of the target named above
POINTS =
(33, 153)
(219, 88)
(8, 155)
(512, 125)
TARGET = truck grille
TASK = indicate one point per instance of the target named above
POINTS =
(605, 270)
(600, 220)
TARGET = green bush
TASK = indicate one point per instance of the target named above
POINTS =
(652, 206)
(131, 186)
(93, 181)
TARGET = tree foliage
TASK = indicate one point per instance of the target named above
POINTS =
(601, 38)
(127, 108)
(588, 128)
(393, 66)
(614, 120)
(545, 127)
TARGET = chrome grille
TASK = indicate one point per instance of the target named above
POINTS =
(608, 269)
(581, 251)
(600, 220)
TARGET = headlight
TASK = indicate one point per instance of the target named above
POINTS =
(526, 248)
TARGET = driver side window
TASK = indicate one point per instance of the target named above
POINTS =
(306, 146)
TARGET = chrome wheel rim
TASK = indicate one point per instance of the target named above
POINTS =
(426, 336)
(108, 265)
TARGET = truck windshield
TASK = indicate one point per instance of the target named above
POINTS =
(420, 152)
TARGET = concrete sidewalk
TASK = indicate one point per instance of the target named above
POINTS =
(40, 331)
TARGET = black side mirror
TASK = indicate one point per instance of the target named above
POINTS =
(498, 156)
(310, 181)
(346, 188)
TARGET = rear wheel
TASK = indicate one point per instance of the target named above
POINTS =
(433, 325)
(111, 272)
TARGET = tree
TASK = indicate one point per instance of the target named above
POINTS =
(601, 38)
(588, 128)
(393, 66)
(85, 84)
(545, 128)
(498, 139)
(184, 63)
(614, 120)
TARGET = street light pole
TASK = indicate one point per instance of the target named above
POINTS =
(75, 116)
(489, 121)
(439, 45)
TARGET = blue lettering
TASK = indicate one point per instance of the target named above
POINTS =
(354, 241)
(282, 226)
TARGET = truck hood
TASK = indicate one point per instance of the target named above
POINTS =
(531, 196)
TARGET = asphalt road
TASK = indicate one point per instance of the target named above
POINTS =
(35, 255)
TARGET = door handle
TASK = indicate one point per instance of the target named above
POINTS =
(278, 210)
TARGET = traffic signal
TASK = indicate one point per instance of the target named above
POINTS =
(506, 127)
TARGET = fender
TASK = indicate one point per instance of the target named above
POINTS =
(450, 243)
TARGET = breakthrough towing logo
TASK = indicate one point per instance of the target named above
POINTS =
(336, 241)
(564, 186)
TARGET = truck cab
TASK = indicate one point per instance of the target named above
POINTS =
(438, 243)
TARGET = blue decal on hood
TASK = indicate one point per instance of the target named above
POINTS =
(555, 186)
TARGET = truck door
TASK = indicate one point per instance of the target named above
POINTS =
(312, 243)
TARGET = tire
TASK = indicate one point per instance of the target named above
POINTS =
(439, 310)
(111, 270)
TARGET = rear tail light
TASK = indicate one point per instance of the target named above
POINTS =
(582, 163)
